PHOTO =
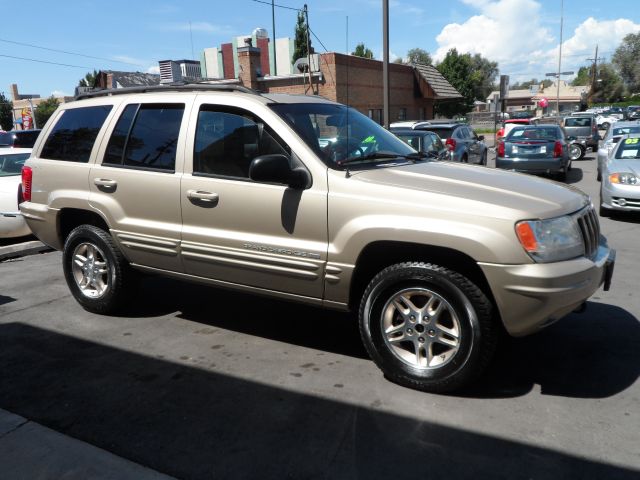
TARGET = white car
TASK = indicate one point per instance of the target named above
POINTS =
(11, 222)
(605, 120)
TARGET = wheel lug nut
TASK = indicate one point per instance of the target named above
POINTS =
(421, 340)
(410, 331)
(432, 333)
(412, 317)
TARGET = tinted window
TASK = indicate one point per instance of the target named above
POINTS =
(547, 133)
(117, 142)
(227, 142)
(441, 132)
(154, 137)
(578, 122)
(411, 140)
(625, 130)
(629, 148)
(74, 133)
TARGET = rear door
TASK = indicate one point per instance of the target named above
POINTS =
(135, 182)
(578, 126)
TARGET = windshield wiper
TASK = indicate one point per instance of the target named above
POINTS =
(383, 156)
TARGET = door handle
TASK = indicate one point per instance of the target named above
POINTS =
(105, 183)
(202, 196)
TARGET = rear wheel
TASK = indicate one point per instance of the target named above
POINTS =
(483, 159)
(599, 176)
(576, 152)
(427, 327)
(96, 272)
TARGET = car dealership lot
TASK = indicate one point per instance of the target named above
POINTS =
(201, 383)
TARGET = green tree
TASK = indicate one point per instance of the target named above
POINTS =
(583, 77)
(6, 113)
(89, 79)
(485, 74)
(418, 55)
(362, 51)
(458, 70)
(45, 110)
(627, 60)
(609, 87)
(300, 39)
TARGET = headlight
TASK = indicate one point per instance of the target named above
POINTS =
(551, 240)
(624, 178)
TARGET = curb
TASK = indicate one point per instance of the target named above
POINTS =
(22, 249)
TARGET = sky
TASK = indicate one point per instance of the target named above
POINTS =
(47, 47)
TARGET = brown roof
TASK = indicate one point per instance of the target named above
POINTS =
(440, 86)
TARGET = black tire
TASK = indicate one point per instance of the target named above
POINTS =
(464, 158)
(562, 175)
(467, 309)
(599, 176)
(602, 210)
(118, 276)
(483, 159)
(605, 126)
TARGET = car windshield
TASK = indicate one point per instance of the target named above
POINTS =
(430, 142)
(12, 164)
(629, 149)
(443, 133)
(617, 132)
(523, 134)
(340, 134)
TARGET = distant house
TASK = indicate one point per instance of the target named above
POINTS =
(115, 79)
(570, 98)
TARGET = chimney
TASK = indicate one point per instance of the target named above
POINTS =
(249, 62)
(14, 92)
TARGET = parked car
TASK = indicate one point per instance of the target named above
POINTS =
(620, 186)
(540, 149)
(583, 127)
(508, 126)
(617, 112)
(222, 185)
(423, 141)
(463, 143)
(12, 223)
(19, 138)
(611, 138)
(632, 112)
(605, 120)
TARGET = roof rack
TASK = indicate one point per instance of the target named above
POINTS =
(168, 87)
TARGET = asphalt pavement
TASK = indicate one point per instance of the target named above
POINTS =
(199, 383)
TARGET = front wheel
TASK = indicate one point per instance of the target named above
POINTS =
(483, 159)
(96, 272)
(427, 327)
(605, 126)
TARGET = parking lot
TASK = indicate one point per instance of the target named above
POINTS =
(203, 383)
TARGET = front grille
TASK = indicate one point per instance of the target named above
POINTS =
(590, 229)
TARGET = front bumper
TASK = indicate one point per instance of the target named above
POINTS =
(530, 297)
(625, 198)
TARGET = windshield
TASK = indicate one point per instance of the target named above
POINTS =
(443, 133)
(12, 164)
(625, 130)
(550, 133)
(630, 149)
(338, 133)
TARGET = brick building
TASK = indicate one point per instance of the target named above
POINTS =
(355, 81)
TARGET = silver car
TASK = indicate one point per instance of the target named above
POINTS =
(614, 133)
(620, 188)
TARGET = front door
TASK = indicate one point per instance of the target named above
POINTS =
(242, 232)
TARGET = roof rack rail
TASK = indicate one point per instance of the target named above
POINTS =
(168, 87)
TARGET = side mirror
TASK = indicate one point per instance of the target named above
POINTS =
(481, 137)
(275, 168)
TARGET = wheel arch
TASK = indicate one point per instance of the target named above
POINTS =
(376, 256)
(70, 218)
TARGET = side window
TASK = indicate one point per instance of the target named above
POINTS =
(115, 149)
(228, 140)
(154, 137)
(74, 134)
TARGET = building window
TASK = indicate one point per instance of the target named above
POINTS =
(421, 115)
(402, 114)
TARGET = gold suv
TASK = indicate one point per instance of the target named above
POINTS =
(308, 200)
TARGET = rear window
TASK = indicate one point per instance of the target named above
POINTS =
(443, 133)
(629, 148)
(12, 164)
(534, 134)
(6, 139)
(74, 134)
(578, 122)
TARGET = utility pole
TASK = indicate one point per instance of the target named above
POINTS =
(273, 29)
(560, 57)
(385, 61)
(594, 72)
(306, 16)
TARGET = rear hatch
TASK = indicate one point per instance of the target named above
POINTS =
(580, 127)
(529, 149)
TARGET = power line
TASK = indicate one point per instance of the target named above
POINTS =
(67, 53)
(319, 41)
(279, 6)
(44, 61)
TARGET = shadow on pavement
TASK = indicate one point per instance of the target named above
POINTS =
(575, 175)
(590, 355)
(197, 424)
